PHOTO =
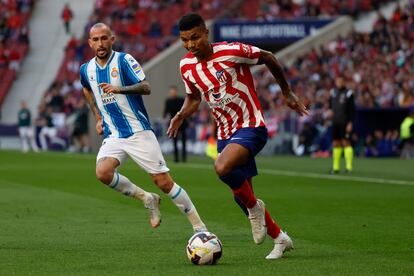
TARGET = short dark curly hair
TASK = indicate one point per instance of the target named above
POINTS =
(189, 21)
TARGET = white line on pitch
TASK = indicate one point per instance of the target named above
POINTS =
(317, 175)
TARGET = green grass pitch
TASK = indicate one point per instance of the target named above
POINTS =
(56, 218)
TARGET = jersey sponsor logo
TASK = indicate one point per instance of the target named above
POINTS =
(114, 72)
(91, 78)
(217, 95)
(224, 101)
(221, 76)
(108, 98)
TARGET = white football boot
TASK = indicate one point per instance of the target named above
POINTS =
(258, 222)
(283, 243)
(153, 206)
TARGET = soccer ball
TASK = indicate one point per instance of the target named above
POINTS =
(204, 248)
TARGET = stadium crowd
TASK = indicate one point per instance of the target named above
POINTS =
(14, 40)
(382, 80)
(136, 33)
(378, 67)
(265, 10)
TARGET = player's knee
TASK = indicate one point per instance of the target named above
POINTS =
(221, 169)
(163, 181)
(104, 176)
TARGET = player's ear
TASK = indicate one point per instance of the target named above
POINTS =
(90, 43)
(113, 39)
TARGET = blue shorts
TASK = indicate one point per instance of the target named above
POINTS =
(253, 139)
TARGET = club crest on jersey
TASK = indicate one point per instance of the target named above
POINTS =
(221, 76)
(114, 72)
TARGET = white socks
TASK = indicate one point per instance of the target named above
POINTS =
(181, 199)
(123, 185)
(177, 194)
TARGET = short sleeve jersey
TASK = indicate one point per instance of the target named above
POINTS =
(123, 115)
(226, 84)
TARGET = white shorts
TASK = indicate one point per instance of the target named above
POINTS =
(142, 147)
(26, 131)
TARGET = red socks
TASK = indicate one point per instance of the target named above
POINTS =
(245, 194)
(273, 229)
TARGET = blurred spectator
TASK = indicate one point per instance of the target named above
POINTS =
(173, 104)
(55, 100)
(306, 139)
(80, 133)
(25, 129)
(14, 59)
(67, 16)
(155, 28)
(49, 130)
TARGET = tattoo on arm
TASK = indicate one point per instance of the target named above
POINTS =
(92, 103)
(142, 88)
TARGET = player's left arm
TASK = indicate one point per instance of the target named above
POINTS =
(134, 74)
(350, 111)
(141, 88)
(271, 62)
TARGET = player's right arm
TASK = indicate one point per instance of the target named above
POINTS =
(87, 92)
(191, 103)
(94, 107)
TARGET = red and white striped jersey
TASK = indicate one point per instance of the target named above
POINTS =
(226, 83)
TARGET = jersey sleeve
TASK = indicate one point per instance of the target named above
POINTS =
(84, 77)
(189, 86)
(244, 53)
(132, 69)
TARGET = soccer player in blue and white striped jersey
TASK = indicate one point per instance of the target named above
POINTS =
(113, 84)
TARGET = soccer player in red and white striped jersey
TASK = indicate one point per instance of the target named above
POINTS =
(220, 73)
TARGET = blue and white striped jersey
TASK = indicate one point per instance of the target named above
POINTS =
(123, 115)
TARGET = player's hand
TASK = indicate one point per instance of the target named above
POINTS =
(348, 128)
(108, 88)
(175, 124)
(295, 103)
(99, 127)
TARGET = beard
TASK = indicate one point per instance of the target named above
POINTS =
(103, 55)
